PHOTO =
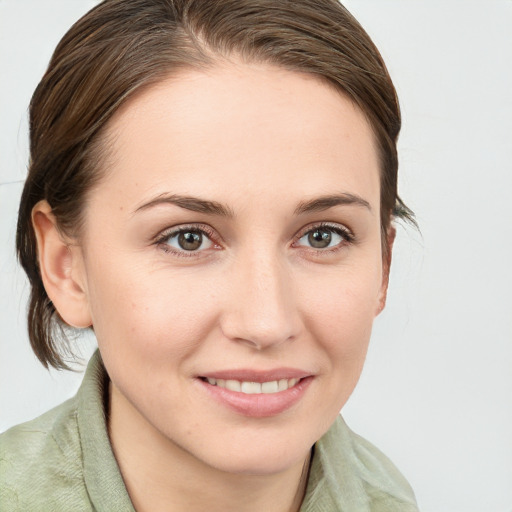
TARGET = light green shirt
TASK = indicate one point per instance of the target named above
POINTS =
(63, 461)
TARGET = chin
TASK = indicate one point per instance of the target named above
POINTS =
(258, 453)
(261, 464)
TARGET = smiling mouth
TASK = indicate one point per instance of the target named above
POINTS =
(253, 388)
(253, 394)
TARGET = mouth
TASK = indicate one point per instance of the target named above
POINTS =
(253, 388)
(254, 394)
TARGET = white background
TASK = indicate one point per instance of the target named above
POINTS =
(436, 393)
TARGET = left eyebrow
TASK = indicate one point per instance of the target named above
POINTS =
(325, 202)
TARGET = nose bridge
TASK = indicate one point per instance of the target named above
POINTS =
(261, 311)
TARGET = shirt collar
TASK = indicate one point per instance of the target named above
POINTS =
(102, 476)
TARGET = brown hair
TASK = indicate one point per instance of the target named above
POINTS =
(121, 46)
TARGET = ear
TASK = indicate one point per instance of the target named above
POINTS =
(386, 266)
(61, 267)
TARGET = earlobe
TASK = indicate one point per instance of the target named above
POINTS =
(386, 266)
(61, 268)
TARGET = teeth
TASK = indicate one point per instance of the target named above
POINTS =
(270, 387)
(252, 388)
(233, 385)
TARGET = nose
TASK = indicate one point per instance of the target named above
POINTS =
(261, 309)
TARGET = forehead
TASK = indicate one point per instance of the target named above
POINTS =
(246, 129)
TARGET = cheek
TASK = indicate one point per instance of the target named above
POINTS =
(151, 315)
(340, 314)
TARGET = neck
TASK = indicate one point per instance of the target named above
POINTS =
(161, 476)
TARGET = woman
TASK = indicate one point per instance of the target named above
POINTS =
(212, 190)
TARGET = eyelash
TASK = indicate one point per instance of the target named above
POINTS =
(163, 239)
(347, 236)
(203, 229)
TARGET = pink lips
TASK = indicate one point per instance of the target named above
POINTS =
(262, 404)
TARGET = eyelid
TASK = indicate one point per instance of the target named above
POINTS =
(204, 229)
(161, 238)
(342, 230)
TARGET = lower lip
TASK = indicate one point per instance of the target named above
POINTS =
(258, 405)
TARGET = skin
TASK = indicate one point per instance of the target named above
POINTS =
(261, 141)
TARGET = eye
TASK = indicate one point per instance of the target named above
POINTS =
(185, 240)
(325, 237)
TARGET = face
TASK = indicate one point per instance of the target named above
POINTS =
(232, 265)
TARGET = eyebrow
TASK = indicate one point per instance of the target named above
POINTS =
(322, 203)
(194, 204)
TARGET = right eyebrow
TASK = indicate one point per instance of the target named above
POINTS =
(191, 203)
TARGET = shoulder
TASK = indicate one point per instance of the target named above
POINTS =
(385, 484)
(348, 460)
(40, 462)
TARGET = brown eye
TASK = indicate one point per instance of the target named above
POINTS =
(325, 237)
(188, 240)
(320, 238)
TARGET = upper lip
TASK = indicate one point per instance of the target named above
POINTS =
(251, 375)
